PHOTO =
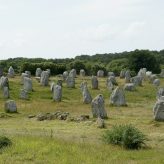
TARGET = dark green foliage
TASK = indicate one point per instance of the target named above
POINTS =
(96, 67)
(125, 135)
(4, 142)
(143, 59)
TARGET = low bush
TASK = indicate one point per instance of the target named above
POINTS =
(125, 135)
(4, 142)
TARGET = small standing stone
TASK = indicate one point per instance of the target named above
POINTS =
(160, 93)
(94, 82)
(129, 87)
(72, 73)
(137, 80)
(11, 72)
(22, 77)
(57, 93)
(156, 82)
(23, 94)
(98, 109)
(82, 72)
(127, 76)
(100, 73)
(159, 110)
(4, 82)
(70, 82)
(44, 78)
(65, 75)
(111, 74)
(27, 84)
(10, 106)
(38, 72)
(118, 97)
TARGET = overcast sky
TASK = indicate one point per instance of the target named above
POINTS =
(67, 28)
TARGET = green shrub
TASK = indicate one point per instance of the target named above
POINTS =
(4, 142)
(125, 135)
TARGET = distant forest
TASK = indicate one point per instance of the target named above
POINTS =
(109, 62)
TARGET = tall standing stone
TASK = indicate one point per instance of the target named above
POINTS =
(158, 110)
(44, 78)
(11, 72)
(27, 84)
(70, 82)
(100, 73)
(82, 72)
(118, 97)
(85, 92)
(38, 72)
(98, 109)
(94, 81)
(72, 73)
(127, 76)
(6, 92)
(4, 82)
(57, 93)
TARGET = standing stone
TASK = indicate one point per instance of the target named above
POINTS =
(4, 82)
(148, 74)
(162, 73)
(10, 106)
(111, 74)
(6, 92)
(100, 73)
(44, 78)
(127, 76)
(158, 110)
(156, 82)
(22, 77)
(38, 72)
(57, 93)
(94, 81)
(112, 79)
(129, 87)
(136, 80)
(122, 74)
(28, 73)
(152, 78)
(11, 72)
(65, 75)
(110, 85)
(118, 97)
(23, 94)
(70, 82)
(27, 84)
(60, 82)
(85, 92)
(52, 86)
(160, 93)
(82, 72)
(142, 73)
(72, 73)
(98, 109)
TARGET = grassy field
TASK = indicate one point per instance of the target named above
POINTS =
(59, 141)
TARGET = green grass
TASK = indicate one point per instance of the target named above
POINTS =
(71, 142)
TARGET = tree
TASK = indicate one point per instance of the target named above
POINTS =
(143, 59)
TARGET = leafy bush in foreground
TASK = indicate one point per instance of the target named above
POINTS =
(4, 142)
(125, 135)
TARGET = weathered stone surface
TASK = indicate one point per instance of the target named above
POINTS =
(142, 73)
(44, 78)
(118, 97)
(112, 79)
(52, 86)
(57, 93)
(100, 123)
(160, 93)
(94, 81)
(11, 72)
(152, 78)
(27, 84)
(22, 77)
(129, 87)
(111, 74)
(65, 75)
(159, 110)
(24, 94)
(148, 74)
(136, 80)
(10, 106)
(110, 85)
(72, 73)
(60, 82)
(70, 82)
(85, 92)
(4, 82)
(82, 72)
(122, 74)
(28, 73)
(162, 73)
(127, 76)
(97, 105)
(38, 72)
(6, 92)
(156, 82)
(100, 73)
